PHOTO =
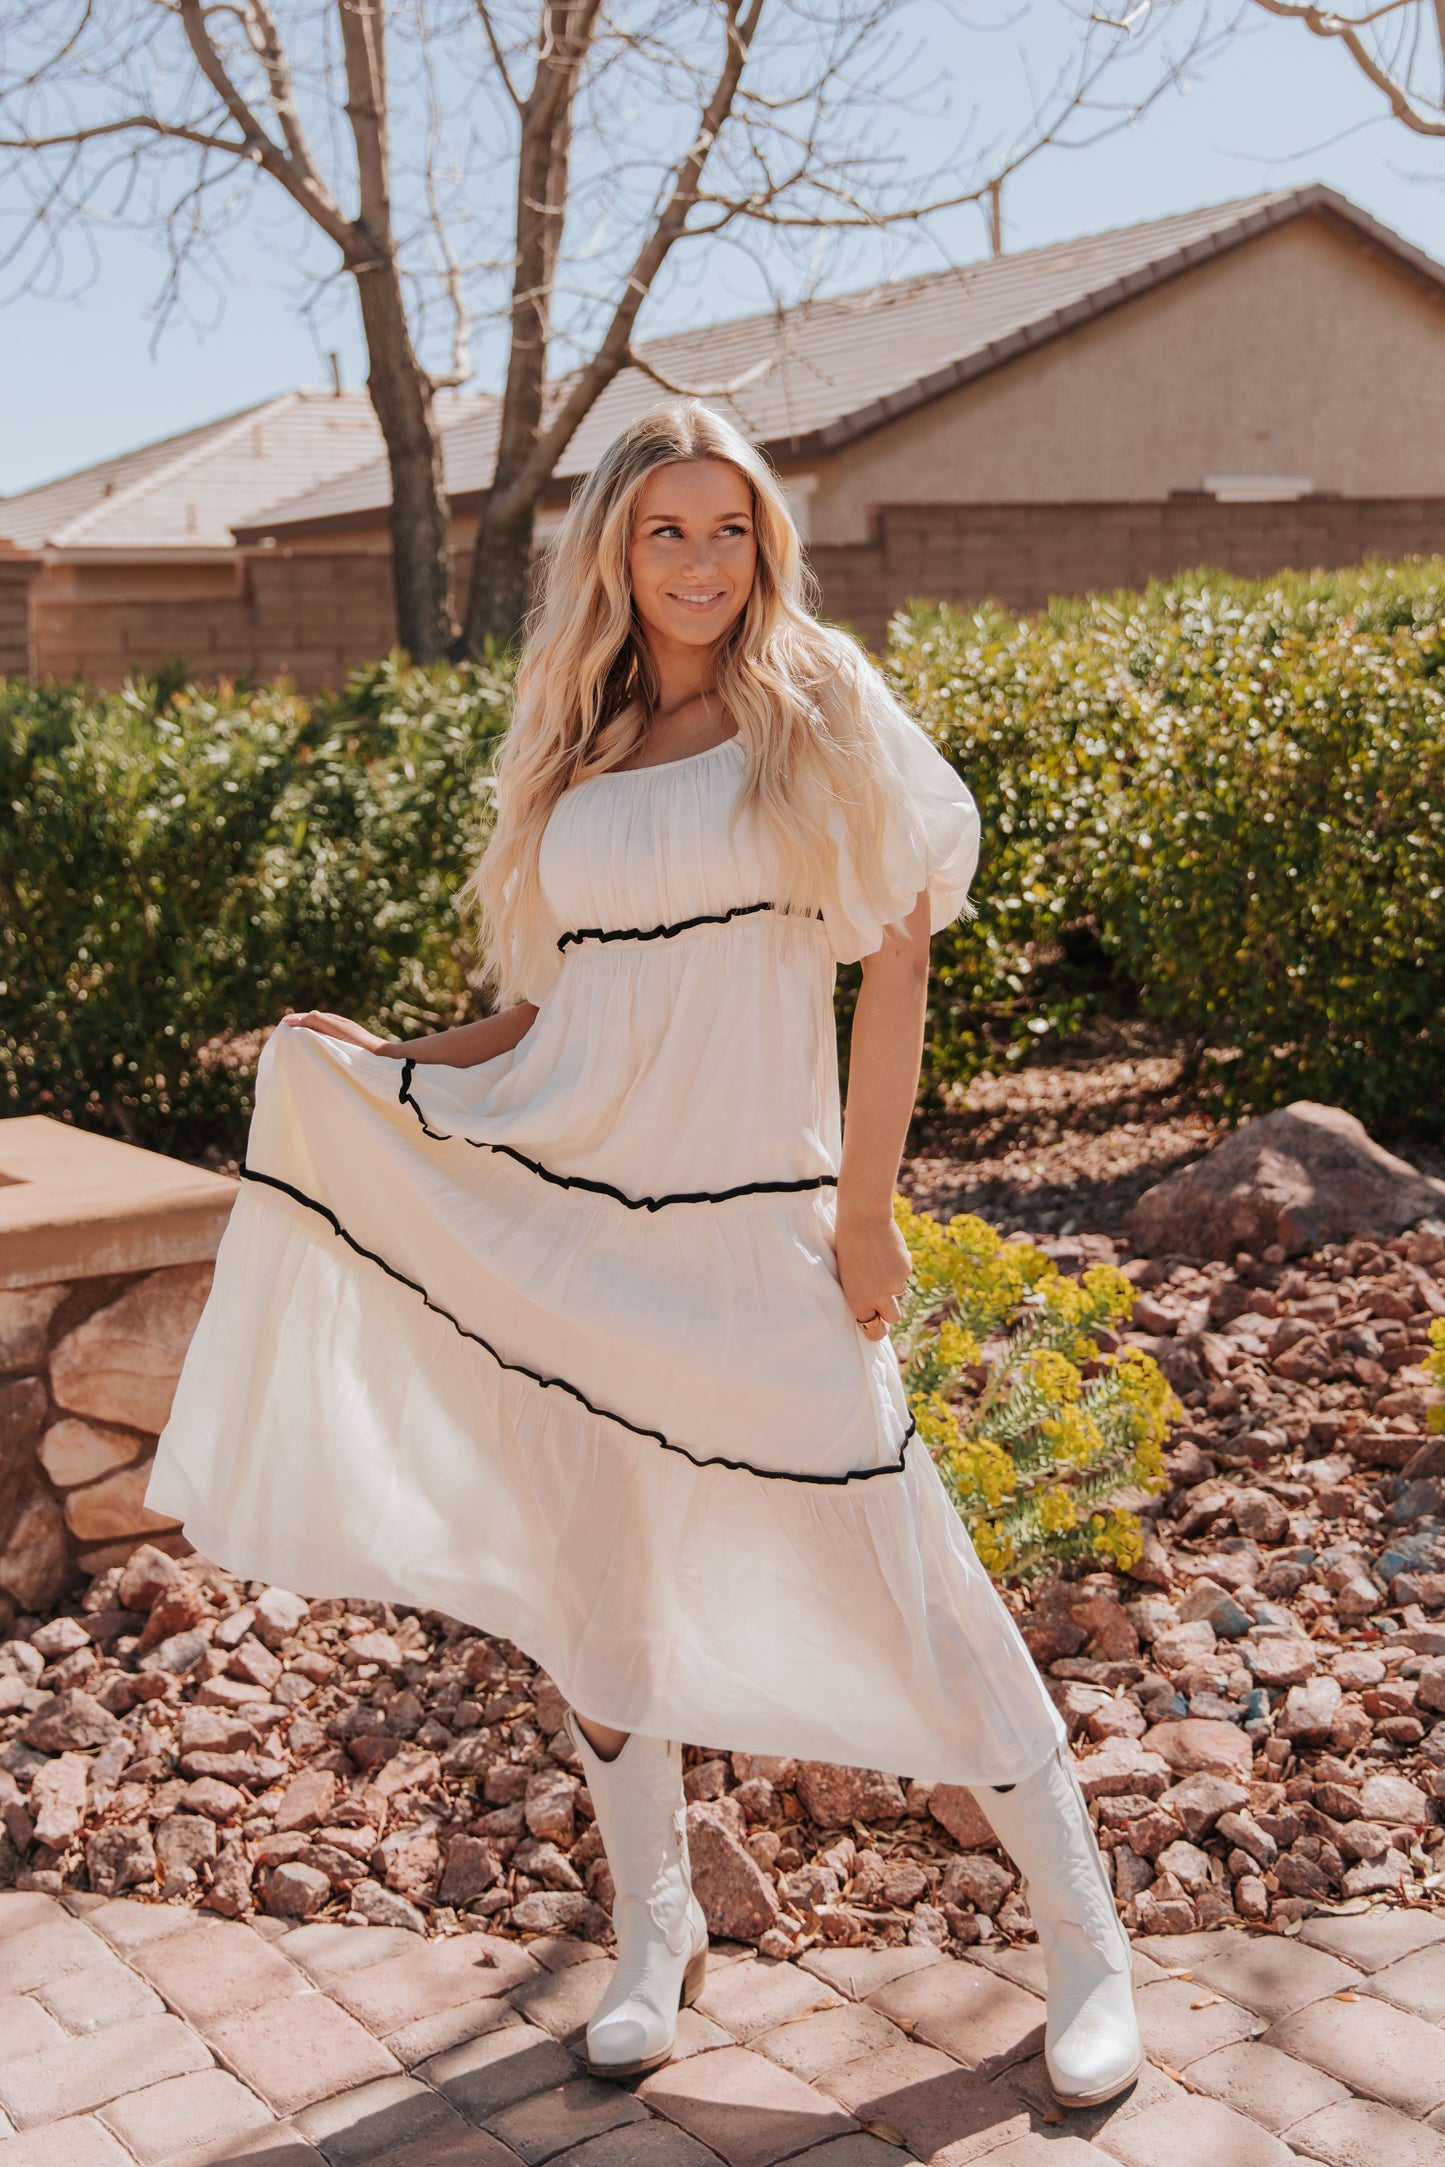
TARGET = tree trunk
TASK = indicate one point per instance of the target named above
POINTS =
(501, 584)
(401, 394)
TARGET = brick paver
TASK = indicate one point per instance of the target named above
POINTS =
(105, 1993)
(555, 2122)
(279, 2146)
(649, 2144)
(810, 2045)
(1269, 2087)
(1271, 1975)
(427, 2037)
(1379, 2051)
(1416, 1983)
(26, 2028)
(1358, 2133)
(936, 2108)
(750, 1998)
(1054, 2150)
(207, 2108)
(1182, 2019)
(429, 1977)
(375, 2121)
(297, 2051)
(860, 1972)
(84, 2073)
(1193, 2132)
(147, 2035)
(979, 2019)
(80, 2142)
(45, 1951)
(1374, 1938)
(217, 1973)
(745, 2108)
(495, 2071)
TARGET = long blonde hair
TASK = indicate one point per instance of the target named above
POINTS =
(803, 696)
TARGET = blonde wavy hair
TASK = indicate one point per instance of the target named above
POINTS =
(804, 698)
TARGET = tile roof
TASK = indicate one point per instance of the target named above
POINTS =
(187, 492)
(831, 370)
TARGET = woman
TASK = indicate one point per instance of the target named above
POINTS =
(573, 1322)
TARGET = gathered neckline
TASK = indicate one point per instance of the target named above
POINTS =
(659, 767)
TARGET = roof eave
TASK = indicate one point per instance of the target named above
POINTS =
(1104, 300)
(1029, 338)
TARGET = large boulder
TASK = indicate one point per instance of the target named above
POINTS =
(1300, 1177)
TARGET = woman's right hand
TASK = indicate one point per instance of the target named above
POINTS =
(342, 1027)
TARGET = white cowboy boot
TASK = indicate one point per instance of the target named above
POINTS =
(661, 1931)
(1092, 2048)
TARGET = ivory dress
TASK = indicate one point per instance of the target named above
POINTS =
(556, 1344)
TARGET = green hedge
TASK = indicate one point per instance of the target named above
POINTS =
(178, 867)
(1223, 800)
(1219, 800)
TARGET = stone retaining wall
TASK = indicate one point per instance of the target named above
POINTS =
(105, 1262)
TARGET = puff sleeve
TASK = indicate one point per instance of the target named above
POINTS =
(932, 843)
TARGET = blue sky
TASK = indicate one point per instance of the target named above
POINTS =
(79, 377)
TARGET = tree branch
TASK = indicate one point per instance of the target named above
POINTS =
(611, 355)
(303, 187)
(1405, 104)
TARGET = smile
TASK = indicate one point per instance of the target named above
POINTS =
(698, 601)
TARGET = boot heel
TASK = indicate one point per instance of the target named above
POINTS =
(693, 1978)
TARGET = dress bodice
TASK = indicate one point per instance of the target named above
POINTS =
(651, 846)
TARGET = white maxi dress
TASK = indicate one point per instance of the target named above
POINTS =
(556, 1344)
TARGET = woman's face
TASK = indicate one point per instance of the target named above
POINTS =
(694, 552)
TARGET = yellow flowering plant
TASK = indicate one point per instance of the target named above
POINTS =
(1037, 1434)
(1434, 1366)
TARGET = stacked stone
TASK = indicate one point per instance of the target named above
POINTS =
(88, 1369)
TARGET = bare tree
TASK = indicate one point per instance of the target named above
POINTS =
(527, 165)
(1398, 46)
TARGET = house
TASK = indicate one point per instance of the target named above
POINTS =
(1253, 386)
(131, 563)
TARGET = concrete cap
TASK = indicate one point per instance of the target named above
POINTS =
(77, 1206)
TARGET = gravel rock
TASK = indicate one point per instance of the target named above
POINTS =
(57, 1800)
(980, 1881)
(294, 1891)
(1309, 1711)
(373, 1905)
(548, 1804)
(550, 1911)
(185, 1843)
(1197, 1742)
(738, 1899)
(119, 1857)
(956, 1809)
(834, 1797)
(1200, 1799)
(1283, 1659)
(471, 1866)
(307, 1800)
(73, 1721)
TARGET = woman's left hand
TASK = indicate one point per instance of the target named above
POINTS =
(873, 1265)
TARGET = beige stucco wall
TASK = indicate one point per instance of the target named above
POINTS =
(1306, 352)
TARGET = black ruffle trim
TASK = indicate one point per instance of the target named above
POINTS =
(560, 1384)
(605, 1188)
(670, 932)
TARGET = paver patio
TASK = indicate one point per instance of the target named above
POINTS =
(135, 2035)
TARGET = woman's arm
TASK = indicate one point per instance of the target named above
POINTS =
(463, 1047)
(883, 1063)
